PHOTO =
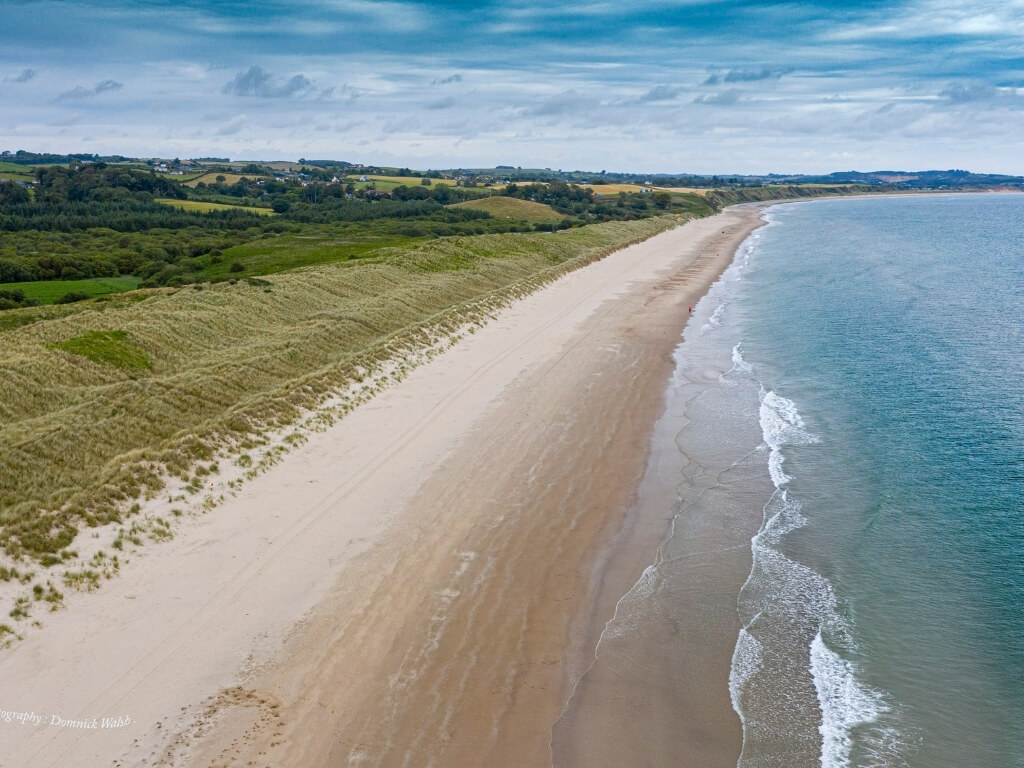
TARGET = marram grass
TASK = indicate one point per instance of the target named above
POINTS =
(98, 405)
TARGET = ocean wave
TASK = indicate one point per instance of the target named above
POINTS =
(632, 609)
(781, 424)
(739, 364)
(845, 703)
(789, 606)
(715, 321)
(747, 660)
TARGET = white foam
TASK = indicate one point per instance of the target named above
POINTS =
(845, 703)
(633, 608)
(715, 321)
(738, 362)
(781, 424)
(747, 660)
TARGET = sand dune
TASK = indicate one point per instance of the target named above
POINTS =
(421, 584)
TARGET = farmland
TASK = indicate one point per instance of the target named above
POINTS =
(203, 206)
(15, 172)
(389, 183)
(212, 176)
(513, 208)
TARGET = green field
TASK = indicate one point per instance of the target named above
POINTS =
(15, 172)
(211, 178)
(387, 183)
(200, 205)
(513, 208)
(100, 403)
(48, 291)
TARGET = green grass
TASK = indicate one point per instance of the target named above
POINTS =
(85, 435)
(107, 348)
(397, 181)
(48, 291)
(269, 256)
(15, 172)
(210, 177)
(201, 205)
(513, 208)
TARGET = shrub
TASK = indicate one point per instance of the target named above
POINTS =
(237, 267)
(72, 296)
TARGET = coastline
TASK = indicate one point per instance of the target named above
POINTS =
(436, 592)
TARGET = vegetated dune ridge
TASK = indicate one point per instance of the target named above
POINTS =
(86, 434)
(440, 542)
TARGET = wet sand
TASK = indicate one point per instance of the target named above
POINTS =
(421, 585)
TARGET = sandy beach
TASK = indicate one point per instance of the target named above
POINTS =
(421, 585)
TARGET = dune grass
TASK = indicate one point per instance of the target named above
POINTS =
(108, 348)
(268, 256)
(101, 402)
(513, 208)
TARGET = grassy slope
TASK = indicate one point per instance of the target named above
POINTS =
(513, 208)
(15, 172)
(211, 178)
(83, 438)
(408, 181)
(201, 205)
(720, 198)
(48, 291)
(267, 256)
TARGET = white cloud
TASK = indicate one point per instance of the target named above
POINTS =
(256, 82)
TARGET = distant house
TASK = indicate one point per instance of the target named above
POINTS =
(363, 178)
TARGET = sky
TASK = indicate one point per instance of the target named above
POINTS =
(670, 86)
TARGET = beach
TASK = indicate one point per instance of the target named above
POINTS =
(425, 582)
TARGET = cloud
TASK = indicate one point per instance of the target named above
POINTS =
(78, 92)
(746, 75)
(661, 93)
(723, 99)
(24, 77)
(965, 93)
(450, 79)
(567, 102)
(981, 96)
(446, 103)
(108, 85)
(66, 121)
(257, 82)
(233, 126)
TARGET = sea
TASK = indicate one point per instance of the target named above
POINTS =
(853, 388)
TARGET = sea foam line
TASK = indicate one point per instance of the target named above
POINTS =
(845, 703)
(779, 584)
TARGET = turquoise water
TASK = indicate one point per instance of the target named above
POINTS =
(884, 613)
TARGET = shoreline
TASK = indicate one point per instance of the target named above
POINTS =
(428, 587)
